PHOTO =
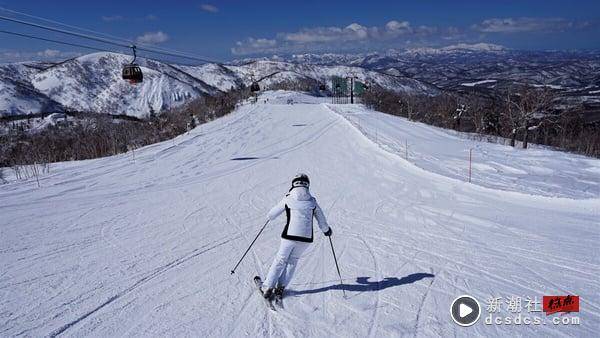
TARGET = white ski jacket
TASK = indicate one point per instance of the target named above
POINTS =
(300, 208)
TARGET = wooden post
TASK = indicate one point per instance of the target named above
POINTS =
(470, 160)
(352, 90)
(36, 173)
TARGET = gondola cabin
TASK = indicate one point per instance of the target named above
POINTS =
(133, 73)
(254, 87)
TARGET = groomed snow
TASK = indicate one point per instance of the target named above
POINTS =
(143, 246)
(537, 170)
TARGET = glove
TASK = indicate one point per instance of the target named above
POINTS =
(328, 232)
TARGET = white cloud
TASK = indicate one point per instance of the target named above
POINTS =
(321, 38)
(398, 34)
(153, 37)
(323, 34)
(43, 55)
(518, 25)
(357, 31)
(49, 53)
(209, 8)
(394, 26)
(250, 45)
(326, 34)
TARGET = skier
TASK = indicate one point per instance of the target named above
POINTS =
(300, 208)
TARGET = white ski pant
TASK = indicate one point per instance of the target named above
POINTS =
(285, 262)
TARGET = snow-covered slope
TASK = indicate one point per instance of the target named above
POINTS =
(124, 246)
(17, 94)
(92, 83)
(215, 75)
(573, 74)
(276, 71)
(537, 170)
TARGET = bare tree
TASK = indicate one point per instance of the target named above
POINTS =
(530, 111)
(478, 113)
(408, 104)
(97, 135)
(527, 110)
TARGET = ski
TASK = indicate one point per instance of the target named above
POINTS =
(269, 302)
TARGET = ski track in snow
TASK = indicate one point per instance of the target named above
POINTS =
(143, 246)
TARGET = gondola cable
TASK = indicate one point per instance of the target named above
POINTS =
(128, 41)
(131, 72)
(54, 41)
(102, 40)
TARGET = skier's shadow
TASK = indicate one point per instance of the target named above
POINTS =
(363, 284)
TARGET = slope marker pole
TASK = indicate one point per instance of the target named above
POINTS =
(470, 160)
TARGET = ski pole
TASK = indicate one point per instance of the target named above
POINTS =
(337, 266)
(251, 244)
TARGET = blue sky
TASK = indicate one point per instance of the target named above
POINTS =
(224, 30)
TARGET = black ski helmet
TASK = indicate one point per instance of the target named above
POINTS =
(300, 180)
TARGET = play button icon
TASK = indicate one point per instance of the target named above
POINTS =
(465, 310)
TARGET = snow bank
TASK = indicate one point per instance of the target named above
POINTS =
(537, 170)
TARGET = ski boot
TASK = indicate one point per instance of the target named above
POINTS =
(268, 293)
(279, 292)
(279, 295)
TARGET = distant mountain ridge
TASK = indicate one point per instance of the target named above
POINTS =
(93, 83)
(359, 58)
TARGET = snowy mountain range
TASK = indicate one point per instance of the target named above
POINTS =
(448, 67)
(92, 83)
(360, 58)
(484, 68)
(459, 48)
(17, 93)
